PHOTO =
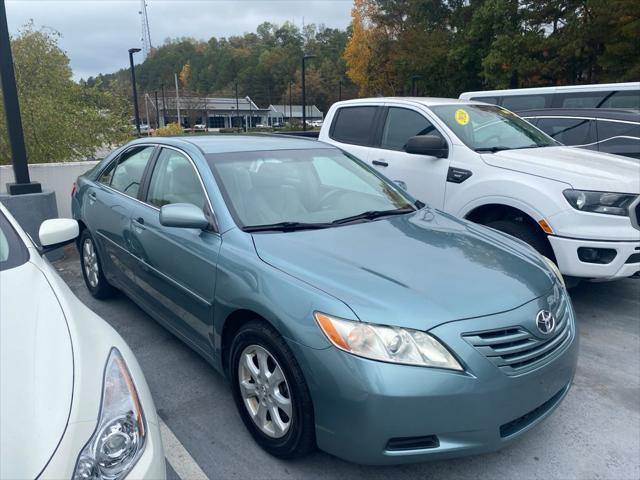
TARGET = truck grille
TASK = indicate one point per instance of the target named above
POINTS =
(515, 350)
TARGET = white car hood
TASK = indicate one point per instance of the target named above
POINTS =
(580, 168)
(36, 372)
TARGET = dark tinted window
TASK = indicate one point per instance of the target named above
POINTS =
(619, 138)
(354, 125)
(128, 173)
(569, 131)
(610, 99)
(174, 180)
(402, 124)
(623, 99)
(491, 100)
(523, 102)
(13, 252)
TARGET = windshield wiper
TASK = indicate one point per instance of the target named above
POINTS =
(491, 149)
(373, 214)
(286, 227)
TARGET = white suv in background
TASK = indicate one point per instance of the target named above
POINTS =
(484, 163)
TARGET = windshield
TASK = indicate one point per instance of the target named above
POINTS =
(303, 187)
(491, 128)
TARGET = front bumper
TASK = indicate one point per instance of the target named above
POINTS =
(623, 264)
(360, 405)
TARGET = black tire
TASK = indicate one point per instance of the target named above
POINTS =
(524, 232)
(102, 289)
(299, 440)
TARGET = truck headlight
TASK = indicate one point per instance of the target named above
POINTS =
(385, 343)
(600, 202)
(118, 441)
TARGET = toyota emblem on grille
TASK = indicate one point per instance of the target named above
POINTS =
(545, 321)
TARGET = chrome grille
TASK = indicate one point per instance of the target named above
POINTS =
(516, 350)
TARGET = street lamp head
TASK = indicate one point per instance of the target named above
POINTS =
(134, 50)
(309, 56)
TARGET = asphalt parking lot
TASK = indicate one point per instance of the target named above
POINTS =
(595, 433)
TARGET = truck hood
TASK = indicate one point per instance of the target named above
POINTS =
(36, 372)
(417, 270)
(582, 169)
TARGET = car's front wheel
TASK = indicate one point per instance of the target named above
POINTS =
(92, 268)
(270, 392)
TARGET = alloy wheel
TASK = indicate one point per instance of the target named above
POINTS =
(265, 392)
(90, 260)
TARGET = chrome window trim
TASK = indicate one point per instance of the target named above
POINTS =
(193, 164)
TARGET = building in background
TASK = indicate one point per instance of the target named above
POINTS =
(294, 112)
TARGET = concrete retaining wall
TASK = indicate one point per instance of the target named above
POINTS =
(57, 177)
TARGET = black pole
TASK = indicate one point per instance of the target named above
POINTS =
(164, 106)
(340, 89)
(135, 91)
(22, 183)
(157, 110)
(290, 104)
(304, 92)
(237, 106)
(414, 84)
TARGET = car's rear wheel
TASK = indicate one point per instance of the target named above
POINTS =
(92, 268)
(270, 392)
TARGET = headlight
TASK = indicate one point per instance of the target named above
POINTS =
(554, 268)
(118, 441)
(388, 344)
(600, 202)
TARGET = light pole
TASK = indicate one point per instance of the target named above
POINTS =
(414, 80)
(340, 89)
(23, 183)
(237, 107)
(304, 92)
(290, 105)
(135, 90)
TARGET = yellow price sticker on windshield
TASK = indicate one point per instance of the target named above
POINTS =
(462, 116)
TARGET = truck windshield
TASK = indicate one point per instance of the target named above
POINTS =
(489, 128)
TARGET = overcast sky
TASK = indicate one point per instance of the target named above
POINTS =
(96, 34)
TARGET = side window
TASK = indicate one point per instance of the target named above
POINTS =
(128, 173)
(174, 180)
(617, 129)
(402, 124)
(517, 103)
(570, 131)
(353, 125)
(107, 174)
(491, 100)
(622, 99)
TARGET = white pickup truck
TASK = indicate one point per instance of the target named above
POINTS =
(484, 163)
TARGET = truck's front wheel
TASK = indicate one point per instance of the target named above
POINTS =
(525, 233)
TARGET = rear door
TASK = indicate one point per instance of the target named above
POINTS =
(353, 129)
(176, 267)
(423, 176)
(575, 132)
(107, 209)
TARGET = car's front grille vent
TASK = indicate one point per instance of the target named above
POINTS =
(635, 213)
(515, 349)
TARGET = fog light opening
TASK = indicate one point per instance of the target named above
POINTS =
(596, 255)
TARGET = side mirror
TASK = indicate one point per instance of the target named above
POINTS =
(57, 232)
(183, 215)
(431, 145)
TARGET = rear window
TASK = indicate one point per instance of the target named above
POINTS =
(354, 125)
(13, 252)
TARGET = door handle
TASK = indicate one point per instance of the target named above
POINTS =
(138, 224)
(92, 197)
(380, 163)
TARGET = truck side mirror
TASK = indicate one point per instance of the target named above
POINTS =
(431, 145)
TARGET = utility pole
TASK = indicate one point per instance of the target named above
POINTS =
(23, 183)
(304, 93)
(290, 104)
(135, 90)
(175, 76)
(340, 89)
(250, 114)
(237, 107)
(414, 84)
(164, 106)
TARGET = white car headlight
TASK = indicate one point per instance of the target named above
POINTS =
(119, 440)
(385, 343)
(554, 268)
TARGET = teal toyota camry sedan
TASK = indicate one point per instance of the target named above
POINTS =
(345, 314)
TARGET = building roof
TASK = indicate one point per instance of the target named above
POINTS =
(296, 110)
(212, 144)
(211, 103)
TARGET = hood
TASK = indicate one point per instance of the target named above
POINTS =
(416, 271)
(36, 372)
(582, 169)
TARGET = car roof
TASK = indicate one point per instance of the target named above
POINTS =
(227, 143)
(629, 115)
(426, 101)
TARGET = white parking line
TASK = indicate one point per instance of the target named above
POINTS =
(178, 457)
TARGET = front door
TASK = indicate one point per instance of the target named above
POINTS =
(423, 176)
(176, 271)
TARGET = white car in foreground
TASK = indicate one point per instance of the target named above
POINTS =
(486, 164)
(73, 401)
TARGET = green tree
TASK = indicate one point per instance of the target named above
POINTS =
(62, 120)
